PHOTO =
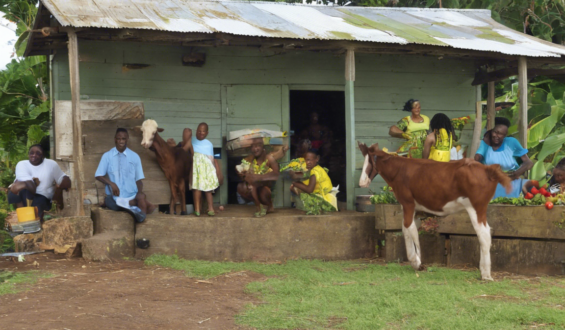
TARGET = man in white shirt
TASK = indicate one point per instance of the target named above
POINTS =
(38, 182)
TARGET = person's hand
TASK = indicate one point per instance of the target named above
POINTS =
(36, 181)
(58, 199)
(186, 134)
(171, 142)
(115, 189)
(513, 176)
(407, 136)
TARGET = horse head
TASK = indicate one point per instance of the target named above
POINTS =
(149, 129)
(370, 169)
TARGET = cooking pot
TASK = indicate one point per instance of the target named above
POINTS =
(363, 204)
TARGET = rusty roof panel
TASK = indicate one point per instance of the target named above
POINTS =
(463, 29)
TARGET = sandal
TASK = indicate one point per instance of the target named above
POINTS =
(261, 213)
(196, 213)
(211, 213)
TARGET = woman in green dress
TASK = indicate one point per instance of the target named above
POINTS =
(413, 128)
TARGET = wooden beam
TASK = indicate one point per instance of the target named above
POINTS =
(78, 165)
(491, 109)
(483, 77)
(478, 123)
(350, 146)
(523, 100)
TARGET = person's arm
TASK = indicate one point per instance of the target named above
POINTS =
(271, 176)
(481, 152)
(18, 186)
(219, 173)
(398, 129)
(139, 184)
(187, 141)
(58, 194)
(306, 188)
(430, 140)
(527, 164)
(101, 172)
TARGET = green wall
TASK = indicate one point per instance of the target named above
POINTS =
(178, 96)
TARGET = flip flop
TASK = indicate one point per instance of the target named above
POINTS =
(211, 213)
(197, 213)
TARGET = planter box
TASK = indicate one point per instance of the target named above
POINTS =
(504, 220)
(432, 246)
(522, 256)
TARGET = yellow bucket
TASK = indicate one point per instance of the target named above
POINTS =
(27, 213)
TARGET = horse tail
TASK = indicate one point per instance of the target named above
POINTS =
(494, 173)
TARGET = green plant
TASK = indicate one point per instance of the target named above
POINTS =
(385, 197)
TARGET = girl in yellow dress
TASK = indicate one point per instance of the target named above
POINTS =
(315, 192)
(440, 140)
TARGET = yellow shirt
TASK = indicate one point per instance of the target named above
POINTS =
(323, 185)
(441, 151)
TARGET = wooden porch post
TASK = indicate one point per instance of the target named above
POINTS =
(350, 147)
(478, 123)
(77, 125)
(523, 99)
(491, 111)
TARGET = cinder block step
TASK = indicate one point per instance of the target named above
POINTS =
(108, 246)
(111, 221)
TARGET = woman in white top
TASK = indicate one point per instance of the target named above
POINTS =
(39, 181)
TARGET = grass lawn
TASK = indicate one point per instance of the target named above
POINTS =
(351, 295)
(9, 281)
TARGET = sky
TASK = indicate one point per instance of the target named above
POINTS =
(7, 41)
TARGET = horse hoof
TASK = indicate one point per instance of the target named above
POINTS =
(183, 213)
(422, 268)
(490, 279)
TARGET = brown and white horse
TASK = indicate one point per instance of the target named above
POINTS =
(438, 188)
(175, 162)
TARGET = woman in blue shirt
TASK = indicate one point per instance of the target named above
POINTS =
(497, 148)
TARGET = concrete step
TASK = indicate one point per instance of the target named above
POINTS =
(111, 221)
(108, 246)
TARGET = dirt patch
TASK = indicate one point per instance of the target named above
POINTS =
(121, 295)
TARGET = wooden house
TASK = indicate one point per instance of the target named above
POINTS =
(250, 64)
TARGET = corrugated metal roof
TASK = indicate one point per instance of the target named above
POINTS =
(463, 29)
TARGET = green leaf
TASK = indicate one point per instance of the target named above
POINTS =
(21, 44)
(539, 131)
(551, 145)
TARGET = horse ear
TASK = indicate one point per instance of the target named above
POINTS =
(159, 129)
(137, 129)
(363, 148)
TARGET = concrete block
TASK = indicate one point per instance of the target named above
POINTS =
(110, 221)
(108, 246)
(28, 242)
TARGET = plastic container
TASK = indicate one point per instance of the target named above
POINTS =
(26, 214)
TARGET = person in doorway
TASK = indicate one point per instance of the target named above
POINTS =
(260, 172)
(39, 181)
(319, 136)
(318, 186)
(504, 150)
(439, 141)
(205, 170)
(413, 128)
(120, 170)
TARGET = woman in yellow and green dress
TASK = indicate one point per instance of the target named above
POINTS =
(440, 140)
(413, 128)
(315, 192)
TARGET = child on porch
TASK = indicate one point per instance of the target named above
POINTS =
(204, 169)
(318, 186)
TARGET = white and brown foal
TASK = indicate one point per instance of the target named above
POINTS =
(437, 188)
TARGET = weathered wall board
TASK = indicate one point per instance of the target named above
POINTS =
(512, 255)
(90, 110)
(504, 220)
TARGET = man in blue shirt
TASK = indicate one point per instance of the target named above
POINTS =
(120, 170)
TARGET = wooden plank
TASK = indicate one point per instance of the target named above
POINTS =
(476, 139)
(504, 220)
(77, 122)
(104, 110)
(523, 100)
(491, 111)
(350, 143)
(531, 257)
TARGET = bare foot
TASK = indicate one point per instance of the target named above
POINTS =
(151, 208)
(271, 209)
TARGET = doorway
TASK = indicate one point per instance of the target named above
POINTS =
(327, 135)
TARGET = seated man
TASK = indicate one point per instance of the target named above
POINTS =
(502, 150)
(38, 181)
(124, 188)
(260, 178)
